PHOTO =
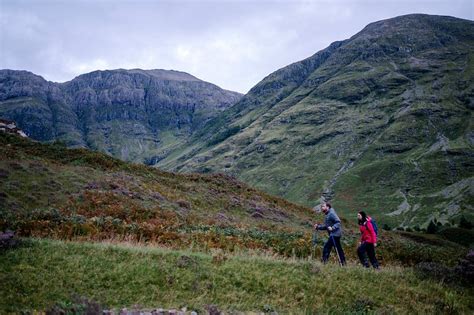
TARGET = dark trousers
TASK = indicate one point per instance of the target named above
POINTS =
(370, 250)
(331, 242)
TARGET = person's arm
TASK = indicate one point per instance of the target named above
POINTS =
(337, 225)
(321, 227)
(337, 222)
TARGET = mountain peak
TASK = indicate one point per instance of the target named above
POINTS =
(21, 74)
(169, 75)
(417, 23)
(383, 113)
(158, 74)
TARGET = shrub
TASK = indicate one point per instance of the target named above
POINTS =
(78, 305)
(432, 228)
(465, 269)
(462, 274)
(435, 271)
(457, 235)
(8, 240)
(360, 306)
(465, 224)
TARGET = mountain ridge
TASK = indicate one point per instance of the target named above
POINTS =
(144, 111)
(390, 91)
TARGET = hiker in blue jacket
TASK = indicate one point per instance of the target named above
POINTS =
(332, 224)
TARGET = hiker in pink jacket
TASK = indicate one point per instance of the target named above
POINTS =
(368, 241)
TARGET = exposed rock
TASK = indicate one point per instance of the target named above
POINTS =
(125, 113)
(213, 310)
(257, 215)
(157, 196)
(11, 127)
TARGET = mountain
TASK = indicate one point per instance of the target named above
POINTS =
(380, 122)
(135, 115)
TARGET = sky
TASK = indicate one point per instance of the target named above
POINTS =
(233, 44)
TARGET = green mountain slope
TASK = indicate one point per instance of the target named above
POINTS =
(48, 190)
(136, 115)
(381, 122)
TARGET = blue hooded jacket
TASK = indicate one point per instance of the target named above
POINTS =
(333, 221)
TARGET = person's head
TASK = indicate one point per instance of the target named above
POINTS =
(325, 207)
(362, 217)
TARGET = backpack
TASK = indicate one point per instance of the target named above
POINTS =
(374, 225)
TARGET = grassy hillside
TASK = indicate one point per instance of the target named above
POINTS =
(50, 191)
(41, 274)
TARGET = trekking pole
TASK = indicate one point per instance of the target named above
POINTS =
(314, 239)
(337, 251)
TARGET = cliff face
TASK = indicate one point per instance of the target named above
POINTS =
(135, 115)
(381, 121)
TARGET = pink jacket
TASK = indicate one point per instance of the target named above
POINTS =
(367, 232)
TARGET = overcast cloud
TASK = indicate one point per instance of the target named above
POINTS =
(233, 44)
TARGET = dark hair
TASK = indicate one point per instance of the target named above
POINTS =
(329, 205)
(364, 217)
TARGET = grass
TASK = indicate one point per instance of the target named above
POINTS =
(43, 273)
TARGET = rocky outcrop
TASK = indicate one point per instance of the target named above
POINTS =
(131, 114)
(10, 127)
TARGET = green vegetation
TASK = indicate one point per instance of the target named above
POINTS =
(43, 273)
(51, 191)
(242, 249)
(381, 122)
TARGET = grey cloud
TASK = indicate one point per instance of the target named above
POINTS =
(233, 44)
